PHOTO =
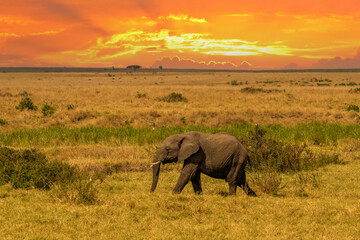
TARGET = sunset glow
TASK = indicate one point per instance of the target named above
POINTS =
(233, 34)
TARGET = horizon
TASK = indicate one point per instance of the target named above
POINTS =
(233, 35)
(150, 69)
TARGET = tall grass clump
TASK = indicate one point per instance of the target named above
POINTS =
(26, 169)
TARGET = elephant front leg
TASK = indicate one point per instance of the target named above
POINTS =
(232, 188)
(196, 182)
(188, 172)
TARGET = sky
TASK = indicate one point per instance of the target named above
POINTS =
(227, 34)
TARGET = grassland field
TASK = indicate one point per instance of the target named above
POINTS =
(112, 123)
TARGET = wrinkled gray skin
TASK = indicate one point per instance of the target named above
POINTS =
(218, 155)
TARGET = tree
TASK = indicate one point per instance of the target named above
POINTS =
(133, 67)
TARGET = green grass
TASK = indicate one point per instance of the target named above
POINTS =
(312, 133)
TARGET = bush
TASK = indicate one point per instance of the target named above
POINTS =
(30, 169)
(272, 157)
(173, 97)
(268, 154)
(48, 109)
(353, 108)
(236, 83)
(270, 182)
(140, 95)
(258, 90)
(26, 103)
(355, 90)
(3, 122)
(71, 106)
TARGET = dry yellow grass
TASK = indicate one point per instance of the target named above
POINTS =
(128, 211)
(323, 207)
(100, 100)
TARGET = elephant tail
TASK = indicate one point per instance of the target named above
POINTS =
(252, 168)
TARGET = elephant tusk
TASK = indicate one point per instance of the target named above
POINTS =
(152, 164)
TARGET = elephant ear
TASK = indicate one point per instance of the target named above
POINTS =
(188, 147)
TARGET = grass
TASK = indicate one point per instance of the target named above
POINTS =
(129, 211)
(211, 101)
(114, 137)
(312, 133)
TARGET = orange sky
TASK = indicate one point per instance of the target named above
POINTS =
(232, 34)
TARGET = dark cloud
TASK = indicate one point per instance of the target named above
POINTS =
(49, 12)
(291, 66)
(176, 62)
(339, 63)
(12, 60)
(150, 7)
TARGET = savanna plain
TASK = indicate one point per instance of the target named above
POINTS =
(102, 130)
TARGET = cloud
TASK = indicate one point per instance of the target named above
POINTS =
(339, 63)
(176, 62)
(291, 66)
(133, 42)
(12, 60)
(183, 17)
(6, 35)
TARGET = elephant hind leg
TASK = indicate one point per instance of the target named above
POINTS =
(196, 182)
(243, 184)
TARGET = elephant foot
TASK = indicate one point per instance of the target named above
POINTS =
(250, 193)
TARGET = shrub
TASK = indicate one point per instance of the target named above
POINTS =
(81, 116)
(173, 97)
(30, 169)
(270, 182)
(235, 83)
(272, 157)
(71, 106)
(140, 95)
(3, 122)
(355, 90)
(26, 103)
(258, 90)
(353, 108)
(183, 120)
(23, 94)
(351, 84)
(268, 154)
(48, 109)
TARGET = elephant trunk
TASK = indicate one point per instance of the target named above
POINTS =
(158, 159)
(156, 172)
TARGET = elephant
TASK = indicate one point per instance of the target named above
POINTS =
(219, 155)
